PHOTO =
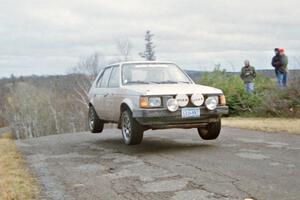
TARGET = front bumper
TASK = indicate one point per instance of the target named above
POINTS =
(162, 118)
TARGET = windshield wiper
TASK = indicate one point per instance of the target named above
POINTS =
(168, 81)
(137, 82)
(156, 82)
(172, 82)
(184, 82)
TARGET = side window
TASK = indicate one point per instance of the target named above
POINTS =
(114, 78)
(105, 78)
(99, 80)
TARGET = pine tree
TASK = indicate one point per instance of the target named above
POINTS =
(149, 53)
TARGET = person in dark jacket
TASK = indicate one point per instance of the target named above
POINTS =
(280, 62)
(248, 75)
(276, 61)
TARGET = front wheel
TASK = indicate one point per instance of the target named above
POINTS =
(211, 131)
(94, 122)
(132, 131)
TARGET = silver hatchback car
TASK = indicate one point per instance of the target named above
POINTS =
(153, 95)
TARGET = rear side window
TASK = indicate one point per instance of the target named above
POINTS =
(99, 80)
(114, 80)
(105, 77)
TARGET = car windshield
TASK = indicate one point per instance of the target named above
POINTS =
(153, 74)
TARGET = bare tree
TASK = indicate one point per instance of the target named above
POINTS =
(90, 65)
(124, 47)
(89, 68)
(28, 108)
(47, 106)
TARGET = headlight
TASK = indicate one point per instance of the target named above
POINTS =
(197, 99)
(150, 102)
(211, 102)
(172, 105)
(182, 100)
(154, 101)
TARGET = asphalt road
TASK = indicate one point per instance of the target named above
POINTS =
(169, 164)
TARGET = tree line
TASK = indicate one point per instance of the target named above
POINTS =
(36, 106)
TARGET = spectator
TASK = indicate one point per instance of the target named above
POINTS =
(283, 67)
(276, 61)
(280, 62)
(248, 75)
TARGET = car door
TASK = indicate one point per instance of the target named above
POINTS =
(101, 92)
(111, 101)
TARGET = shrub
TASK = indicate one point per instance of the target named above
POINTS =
(233, 88)
(282, 102)
(267, 99)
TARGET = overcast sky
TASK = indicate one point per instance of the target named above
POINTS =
(49, 37)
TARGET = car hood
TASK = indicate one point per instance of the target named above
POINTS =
(172, 89)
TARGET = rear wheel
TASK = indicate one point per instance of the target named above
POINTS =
(132, 131)
(94, 122)
(211, 131)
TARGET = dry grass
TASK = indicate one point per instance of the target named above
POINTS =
(7, 136)
(264, 124)
(16, 181)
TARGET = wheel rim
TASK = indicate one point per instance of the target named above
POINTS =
(91, 120)
(126, 127)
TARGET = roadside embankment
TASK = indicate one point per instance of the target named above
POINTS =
(264, 124)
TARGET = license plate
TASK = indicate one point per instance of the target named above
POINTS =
(190, 112)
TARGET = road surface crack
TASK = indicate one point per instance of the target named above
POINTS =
(233, 180)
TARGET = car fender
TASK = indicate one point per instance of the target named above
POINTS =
(129, 103)
(91, 101)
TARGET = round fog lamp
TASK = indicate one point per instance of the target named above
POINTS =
(182, 100)
(197, 99)
(211, 102)
(172, 105)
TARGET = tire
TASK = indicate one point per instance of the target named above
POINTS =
(94, 122)
(211, 131)
(132, 131)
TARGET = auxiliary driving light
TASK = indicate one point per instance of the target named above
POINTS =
(182, 100)
(172, 105)
(197, 99)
